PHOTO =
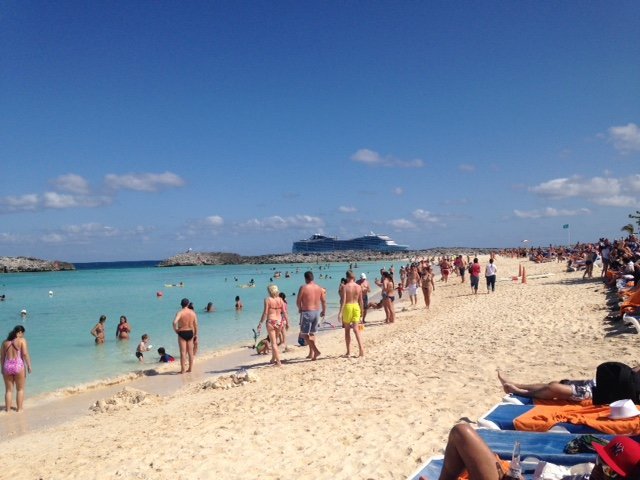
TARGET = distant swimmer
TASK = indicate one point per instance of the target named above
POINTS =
(23, 313)
(210, 308)
(98, 330)
(123, 329)
(51, 293)
(239, 305)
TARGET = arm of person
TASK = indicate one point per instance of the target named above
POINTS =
(3, 354)
(175, 322)
(323, 301)
(25, 355)
(195, 326)
(264, 314)
(93, 330)
(299, 300)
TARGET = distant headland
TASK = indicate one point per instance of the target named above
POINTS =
(221, 258)
(27, 264)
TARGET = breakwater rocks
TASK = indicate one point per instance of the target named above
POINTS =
(26, 264)
(220, 258)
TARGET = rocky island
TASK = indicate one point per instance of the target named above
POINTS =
(222, 258)
(27, 264)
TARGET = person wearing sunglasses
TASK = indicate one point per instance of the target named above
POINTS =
(467, 454)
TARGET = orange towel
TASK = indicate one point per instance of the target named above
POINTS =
(632, 302)
(542, 417)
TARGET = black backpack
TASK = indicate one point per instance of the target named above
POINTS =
(616, 381)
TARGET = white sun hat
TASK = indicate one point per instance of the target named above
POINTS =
(623, 409)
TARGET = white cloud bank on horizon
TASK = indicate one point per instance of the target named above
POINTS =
(373, 158)
(551, 212)
(625, 138)
(605, 191)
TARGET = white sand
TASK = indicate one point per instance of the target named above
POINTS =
(376, 417)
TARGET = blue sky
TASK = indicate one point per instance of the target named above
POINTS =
(137, 130)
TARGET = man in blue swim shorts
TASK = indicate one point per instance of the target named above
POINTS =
(351, 307)
(312, 304)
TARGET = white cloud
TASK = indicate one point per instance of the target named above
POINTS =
(468, 168)
(144, 182)
(277, 222)
(21, 203)
(347, 209)
(58, 200)
(625, 138)
(577, 187)
(53, 238)
(611, 192)
(551, 212)
(402, 224)
(370, 157)
(424, 216)
(214, 221)
(398, 191)
(616, 201)
(71, 183)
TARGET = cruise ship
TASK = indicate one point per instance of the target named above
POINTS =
(372, 242)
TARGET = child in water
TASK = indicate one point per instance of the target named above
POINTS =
(143, 346)
(164, 356)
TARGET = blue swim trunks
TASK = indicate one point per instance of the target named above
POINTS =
(309, 321)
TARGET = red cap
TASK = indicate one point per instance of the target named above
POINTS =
(622, 454)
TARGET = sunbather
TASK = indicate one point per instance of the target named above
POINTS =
(573, 390)
(466, 450)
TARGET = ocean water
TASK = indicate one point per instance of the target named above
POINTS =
(63, 352)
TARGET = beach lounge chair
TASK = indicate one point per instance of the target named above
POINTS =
(534, 447)
(631, 304)
(568, 418)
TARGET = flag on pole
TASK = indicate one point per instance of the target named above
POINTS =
(565, 226)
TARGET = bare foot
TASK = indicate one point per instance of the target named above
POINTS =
(315, 357)
(310, 356)
(503, 380)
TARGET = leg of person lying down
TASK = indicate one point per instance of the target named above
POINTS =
(547, 391)
(467, 451)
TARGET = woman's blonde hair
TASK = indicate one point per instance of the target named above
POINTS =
(273, 290)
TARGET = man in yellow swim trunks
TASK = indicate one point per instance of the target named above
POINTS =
(351, 308)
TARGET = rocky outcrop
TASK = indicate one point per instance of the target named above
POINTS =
(218, 258)
(26, 264)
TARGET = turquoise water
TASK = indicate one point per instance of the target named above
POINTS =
(57, 327)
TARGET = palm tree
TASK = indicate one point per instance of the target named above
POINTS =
(628, 228)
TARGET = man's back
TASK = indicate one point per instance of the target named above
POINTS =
(309, 297)
(352, 292)
(186, 319)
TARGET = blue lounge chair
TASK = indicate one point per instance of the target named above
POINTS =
(534, 447)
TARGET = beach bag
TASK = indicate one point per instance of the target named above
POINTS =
(615, 381)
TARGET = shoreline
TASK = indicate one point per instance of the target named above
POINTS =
(387, 412)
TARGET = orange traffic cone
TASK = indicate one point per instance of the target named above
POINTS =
(524, 275)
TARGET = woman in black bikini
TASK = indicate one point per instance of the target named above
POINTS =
(98, 330)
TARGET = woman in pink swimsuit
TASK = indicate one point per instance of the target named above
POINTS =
(274, 313)
(13, 358)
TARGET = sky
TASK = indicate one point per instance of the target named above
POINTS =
(133, 130)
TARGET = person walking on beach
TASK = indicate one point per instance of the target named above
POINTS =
(351, 307)
(412, 285)
(98, 330)
(428, 285)
(185, 324)
(14, 356)
(284, 326)
(490, 273)
(474, 270)
(272, 314)
(312, 304)
(366, 288)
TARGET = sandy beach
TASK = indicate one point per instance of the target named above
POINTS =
(376, 417)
